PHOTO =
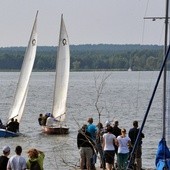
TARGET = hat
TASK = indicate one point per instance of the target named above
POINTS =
(107, 123)
(6, 149)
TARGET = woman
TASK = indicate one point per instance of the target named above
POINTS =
(36, 159)
(108, 146)
(123, 150)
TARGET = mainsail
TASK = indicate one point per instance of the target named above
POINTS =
(62, 74)
(22, 88)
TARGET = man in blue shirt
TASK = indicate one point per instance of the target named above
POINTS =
(92, 129)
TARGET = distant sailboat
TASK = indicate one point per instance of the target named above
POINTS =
(17, 108)
(129, 69)
(61, 85)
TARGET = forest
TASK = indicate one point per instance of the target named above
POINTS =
(88, 57)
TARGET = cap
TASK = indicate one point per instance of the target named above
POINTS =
(6, 149)
(107, 123)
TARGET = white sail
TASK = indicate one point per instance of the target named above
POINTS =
(25, 73)
(62, 74)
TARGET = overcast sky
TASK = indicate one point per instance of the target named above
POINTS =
(87, 21)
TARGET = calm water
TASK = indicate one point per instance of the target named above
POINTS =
(124, 97)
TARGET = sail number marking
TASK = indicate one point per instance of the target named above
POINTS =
(33, 42)
(64, 41)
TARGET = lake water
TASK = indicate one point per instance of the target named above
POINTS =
(124, 97)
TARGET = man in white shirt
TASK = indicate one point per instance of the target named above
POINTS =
(17, 162)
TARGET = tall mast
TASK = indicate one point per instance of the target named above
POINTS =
(166, 18)
(165, 68)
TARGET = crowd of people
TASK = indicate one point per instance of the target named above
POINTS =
(18, 162)
(12, 126)
(112, 144)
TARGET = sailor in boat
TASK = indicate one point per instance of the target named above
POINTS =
(40, 119)
(44, 120)
(50, 121)
(16, 125)
(1, 125)
(13, 126)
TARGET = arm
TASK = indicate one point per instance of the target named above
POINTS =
(8, 165)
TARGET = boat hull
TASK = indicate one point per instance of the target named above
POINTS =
(5, 133)
(55, 130)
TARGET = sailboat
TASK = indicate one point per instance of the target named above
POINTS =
(162, 161)
(61, 85)
(17, 108)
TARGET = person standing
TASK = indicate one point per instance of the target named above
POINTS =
(99, 139)
(4, 158)
(116, 132)
(116, 129)
(108, 146)
(85, 146)
(123, 150)
(137, 157)
(17, 162)
(92, 129)
(36, 158)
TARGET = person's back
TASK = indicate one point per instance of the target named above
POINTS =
(133, 133)
(137, 155)
(116, 129)
(16, 125)
(17, 162)
(50, 121)
(84, 144)
(4, 158)
(36, 158)
(11, 126)
(1, 125)
(91, 128)
(40, 119)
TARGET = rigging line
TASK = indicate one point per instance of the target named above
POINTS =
(144, 21)
(137, 107)
(149, 105)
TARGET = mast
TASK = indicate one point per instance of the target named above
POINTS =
(166, 18)
(165, 69)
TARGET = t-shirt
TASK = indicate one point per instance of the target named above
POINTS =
(92, 130)
(16, 162)
(3, 162)
(108, 139)
(123, 144)
(133, 133)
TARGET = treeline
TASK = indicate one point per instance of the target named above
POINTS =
(89, 57)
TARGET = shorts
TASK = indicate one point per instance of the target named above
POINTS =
(86, 153)
(109, 156)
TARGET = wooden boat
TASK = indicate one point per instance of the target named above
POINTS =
(61, 85)
(17, 108)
